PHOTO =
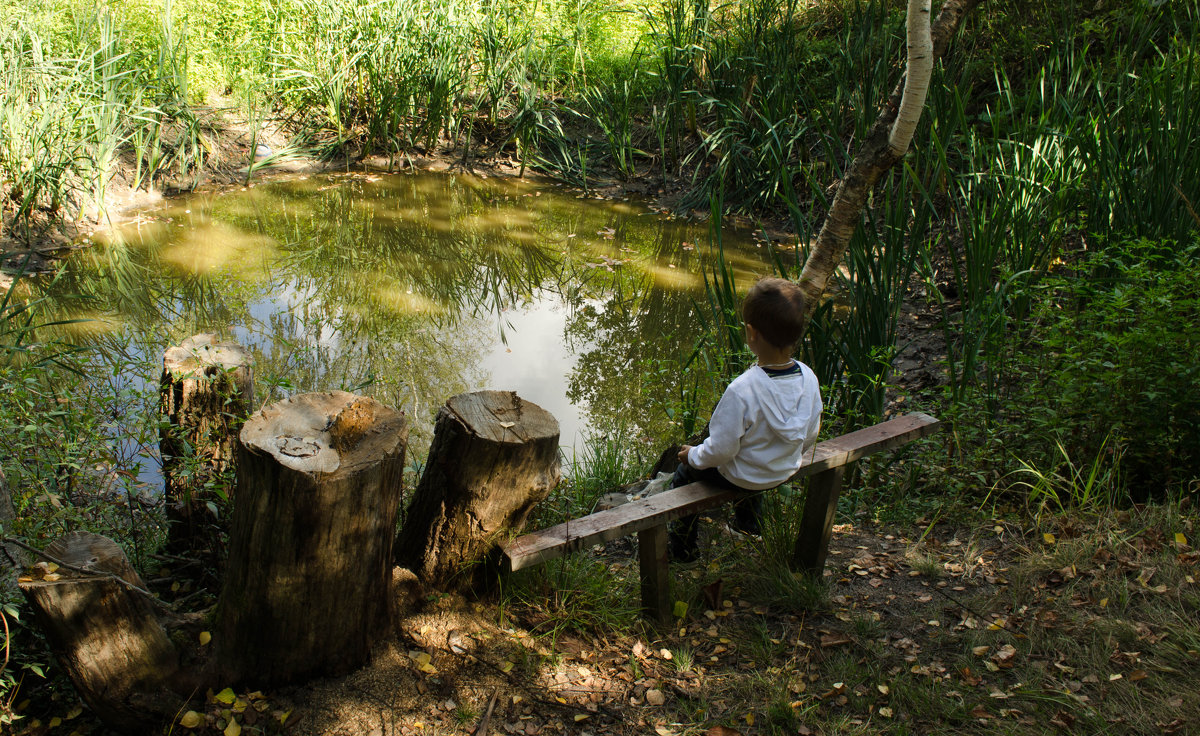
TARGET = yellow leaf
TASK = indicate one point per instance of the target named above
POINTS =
(191, 719)
(428, 668)
(506, 667)
(55, 722)
(886, 712)
(749, 719)
(226, 696)
(1104, 603)
(422, 658)
(883, 689)
(680, 609)
(74, 712)
(1048, 538)
(283, 716)
(205, 638)
(1180, 539)
(580, 717)
(233, 729)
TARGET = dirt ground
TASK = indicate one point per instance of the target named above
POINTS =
(455, 668)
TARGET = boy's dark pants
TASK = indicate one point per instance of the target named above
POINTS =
(684, 533)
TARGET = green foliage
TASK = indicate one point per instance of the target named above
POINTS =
(1118, 365)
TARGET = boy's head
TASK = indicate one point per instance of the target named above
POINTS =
(775, 308)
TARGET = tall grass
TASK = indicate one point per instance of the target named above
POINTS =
(69, 117)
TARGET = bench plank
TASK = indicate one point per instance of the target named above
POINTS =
(603, 526)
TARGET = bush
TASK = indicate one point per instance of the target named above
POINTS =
(1118, 357)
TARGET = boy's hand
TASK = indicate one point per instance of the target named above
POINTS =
(683, 454)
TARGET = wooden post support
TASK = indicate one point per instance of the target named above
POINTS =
(308, 589)
(654, 565)
(816, 526)
(207, 387)
(103, 631)
(493, 457)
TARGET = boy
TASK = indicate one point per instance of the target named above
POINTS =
(767, 418)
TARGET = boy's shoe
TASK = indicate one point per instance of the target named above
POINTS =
(683, 550)
(750, 527)
(739, 533)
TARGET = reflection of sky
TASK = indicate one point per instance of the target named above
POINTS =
(536, 362)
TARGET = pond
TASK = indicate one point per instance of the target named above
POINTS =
(414, 287)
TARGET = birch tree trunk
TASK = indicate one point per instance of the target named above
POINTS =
(886, 143)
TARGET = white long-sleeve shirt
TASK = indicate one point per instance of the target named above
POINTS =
(762, 428)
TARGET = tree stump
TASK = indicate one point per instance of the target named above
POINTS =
(12, 557)
(493, 458)
(103, 631)
(308, 588)
(206, 391)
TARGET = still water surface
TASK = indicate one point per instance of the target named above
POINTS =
(414, 287)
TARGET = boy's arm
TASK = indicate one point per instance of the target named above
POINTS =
(725, 430)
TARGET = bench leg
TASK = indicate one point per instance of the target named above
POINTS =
(655, 571)
(812, 544)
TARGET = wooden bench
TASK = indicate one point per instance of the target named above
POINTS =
(649, 516)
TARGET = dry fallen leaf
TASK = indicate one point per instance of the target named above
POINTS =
(191, 719)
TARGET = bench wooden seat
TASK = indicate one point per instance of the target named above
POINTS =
(649, 516)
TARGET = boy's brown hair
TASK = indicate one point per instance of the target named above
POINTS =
(775, 307)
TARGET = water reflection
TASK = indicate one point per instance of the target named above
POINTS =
(412, 288)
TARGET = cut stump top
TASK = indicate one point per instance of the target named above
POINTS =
(199, 353)
(502, 417)
(325, 432)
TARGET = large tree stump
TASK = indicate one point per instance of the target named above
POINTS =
(308, 588)
(493, 457)
(103, 630)
(206, 391)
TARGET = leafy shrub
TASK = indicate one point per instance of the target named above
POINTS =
(1118, 355)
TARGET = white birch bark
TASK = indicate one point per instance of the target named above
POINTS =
(916, 79)
(884, 146)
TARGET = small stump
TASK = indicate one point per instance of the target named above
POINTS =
(206, 391)
(104, 631)
(308, 588)
(493, 458)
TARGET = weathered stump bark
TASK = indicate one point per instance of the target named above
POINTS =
(206, 391)
(308, 588)
(103, 631)
(12, 557)
(493, 458)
